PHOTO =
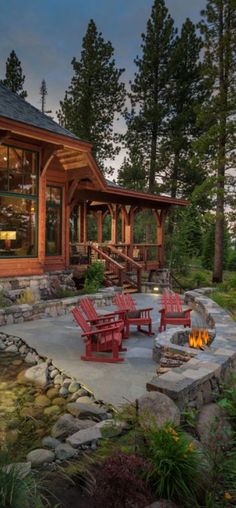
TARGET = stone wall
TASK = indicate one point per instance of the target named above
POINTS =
(50, 308)
(44, 286)
(198, 381)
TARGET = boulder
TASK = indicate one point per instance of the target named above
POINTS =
(64, 451)
(37, 374)
(83, 437)
(67, 425)
(50, 442)
(213, 426)
(87, 410)
(159, 408)
(40, 456)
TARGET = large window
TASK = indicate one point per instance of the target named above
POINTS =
(18, 202)
(53, 221)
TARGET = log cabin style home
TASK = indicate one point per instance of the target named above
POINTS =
(50, 185)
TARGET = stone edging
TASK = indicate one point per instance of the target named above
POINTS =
(50, 308)
(197, 382)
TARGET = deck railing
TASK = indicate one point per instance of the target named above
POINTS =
(133, 270)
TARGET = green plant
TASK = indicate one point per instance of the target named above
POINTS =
(94, 277)
(2, 300)
(228, 400)
(28, 296)
(17, 489)
(175, 470)
(65, 292)
(189, 419)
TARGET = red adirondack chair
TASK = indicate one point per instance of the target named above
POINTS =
(100, 339)
(93, 317)
(172, 312)
(133, 316)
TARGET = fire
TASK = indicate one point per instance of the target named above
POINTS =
(198, 338)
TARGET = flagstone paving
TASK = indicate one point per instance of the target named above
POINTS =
(60, 339)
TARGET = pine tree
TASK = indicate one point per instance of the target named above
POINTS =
(95, 96)
(186, 96)
(132, 174)
(149, 90)
(43, 92)
(14, 78)
(218, 27)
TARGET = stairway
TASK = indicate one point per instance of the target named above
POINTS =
(112, 278)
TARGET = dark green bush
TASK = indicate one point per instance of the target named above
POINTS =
(94, 277)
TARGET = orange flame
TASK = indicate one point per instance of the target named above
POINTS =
(198, 337)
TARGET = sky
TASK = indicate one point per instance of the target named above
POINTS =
(47, 34)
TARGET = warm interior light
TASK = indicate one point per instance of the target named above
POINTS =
(156, 289)
(7, 235)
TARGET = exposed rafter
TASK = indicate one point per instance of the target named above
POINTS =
(4, 136)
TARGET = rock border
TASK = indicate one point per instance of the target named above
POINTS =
(197, 382)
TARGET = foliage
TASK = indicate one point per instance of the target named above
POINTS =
(17, 490)
(227, 300)
(228, 400)
(14, 78)
(231, 264)
(28, 296)
(65, 292)
(175, 470)
(95, 96)
(2, 300)
(120, 482)
(208, 247)
(94, 277)
(150, 90)
(217, 115)
(43, 92)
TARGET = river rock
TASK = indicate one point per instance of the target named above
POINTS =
(64, 451)
(40, 456)
(87, 410)
(213, 426)
(84, 437)
(73, 387)
(37, 374)
(58, 379)
(54, 373)
(52, 393)
(158, 407)
(63, 391)
(2, 345)
(50, 442)
(52, 410)
(42, 401)
(85, 400)
(12, 349)
(67, 425)
(30, 358)
(59, 401)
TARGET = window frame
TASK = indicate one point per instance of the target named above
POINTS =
(56, 206)
(32, 197)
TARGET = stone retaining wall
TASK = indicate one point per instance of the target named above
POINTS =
(197, 382)
(50, 308)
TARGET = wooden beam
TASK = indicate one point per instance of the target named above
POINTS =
(48, 153)
(71, 190)
(4, 136)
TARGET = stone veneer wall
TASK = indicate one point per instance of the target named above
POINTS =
(197, 382)
(50, 308)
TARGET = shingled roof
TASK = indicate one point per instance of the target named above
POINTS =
(15, 108)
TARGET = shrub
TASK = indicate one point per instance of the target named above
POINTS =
(2, 300)
(94, 277)
(65, 292)
(16, 489)
(199, 279)
(120, 482)
(228, 400)
(28, 296)
(175, 472)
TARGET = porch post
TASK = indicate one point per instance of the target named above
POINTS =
(114, 221)
(122, 225)
(83, 222)
(99, 226)
(161, 216)
(129, 229)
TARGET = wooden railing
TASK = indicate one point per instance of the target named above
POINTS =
(141, 252)
(130, 265)
(110, 264)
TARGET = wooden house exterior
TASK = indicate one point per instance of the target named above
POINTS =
(49, 182)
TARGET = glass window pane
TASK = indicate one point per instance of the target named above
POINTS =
(29, 173)
(17, 227)
(53, 221)
(15, 170)
(3, 169)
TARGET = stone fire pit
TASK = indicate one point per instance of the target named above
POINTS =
(197, 381)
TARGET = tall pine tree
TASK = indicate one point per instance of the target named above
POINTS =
(14, 78)
(43, 93)
(95, 96)
(186, 96)
(218, 27)
(150, 89)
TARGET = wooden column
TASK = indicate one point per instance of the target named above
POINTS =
(99, 226)
(83, 222)
(114, 222)
(161, 216)
(122, 225)
(129, 228)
